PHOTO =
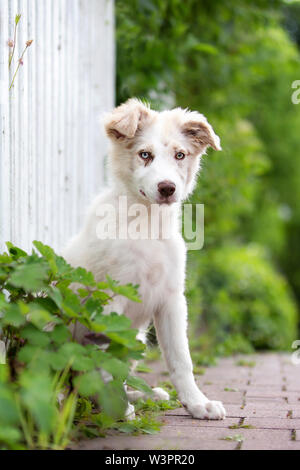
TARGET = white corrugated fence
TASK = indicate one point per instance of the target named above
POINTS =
(52, 148)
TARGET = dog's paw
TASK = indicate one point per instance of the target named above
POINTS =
(129, 413)
(209, 410)
(160, 394)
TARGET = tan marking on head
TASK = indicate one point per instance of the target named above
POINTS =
(125, 120)
(130, 145)
(201, 134)
(177, 147)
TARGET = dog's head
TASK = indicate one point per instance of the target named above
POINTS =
(157, 154)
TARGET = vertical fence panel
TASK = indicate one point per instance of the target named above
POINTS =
(52, 147)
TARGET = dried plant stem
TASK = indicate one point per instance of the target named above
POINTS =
(14, 46)
(17, 69)
(17, 19)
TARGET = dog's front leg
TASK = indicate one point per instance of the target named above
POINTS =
(171, 328)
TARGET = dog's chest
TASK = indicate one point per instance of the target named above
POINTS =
(158, 266)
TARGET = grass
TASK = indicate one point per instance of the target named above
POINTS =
(203, 359)
(91, 423)
(143, 368)
(236, 438)
(199, 370)
(241, 426)
(244, 363)
(152, 354)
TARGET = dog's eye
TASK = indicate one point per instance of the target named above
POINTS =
(145, 155)
(179, 156)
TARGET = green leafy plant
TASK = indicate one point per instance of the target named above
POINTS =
(48, 379)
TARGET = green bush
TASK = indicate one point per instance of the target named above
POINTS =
(37, 307)
(242, 303)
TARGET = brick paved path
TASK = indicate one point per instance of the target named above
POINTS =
(262, 404)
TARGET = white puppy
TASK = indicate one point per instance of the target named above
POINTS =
(154, 161)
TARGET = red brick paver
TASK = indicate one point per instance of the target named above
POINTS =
(262, 399)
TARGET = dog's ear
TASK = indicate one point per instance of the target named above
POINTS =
(126, 119)
(200, 132)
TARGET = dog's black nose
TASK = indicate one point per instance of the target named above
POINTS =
(166, 188)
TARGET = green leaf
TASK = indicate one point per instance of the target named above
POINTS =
(14, 314)
(139, 384)
(61, 334)
(28, 353)
(10, 434)
(113, 399)
(127, 338)
(31, 275)
(48, 253)
(89, 384)
(17, 18)
(8, 408)
(3, 274)
(5, 259)
(207, 48)
(93, 307)
(15, 252)
(72, 350)
(39, 317)
(141, 425)
(55, 295)
(58, 265)
(83, 363)
(37, 359)
(38, 395)
(82, 276)
(58, 361)
(47, 304)
(103, 421)
(115, 367)
(35, 336)
(112, 322)
(128, 290)
(76, 354)
(4, 373)
(101, 296)
(83, 292)
(83, 408)
(71, 303)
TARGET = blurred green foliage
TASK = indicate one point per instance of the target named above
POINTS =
(235, 62)
(245, 303)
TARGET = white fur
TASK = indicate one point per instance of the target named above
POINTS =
(158, 394)
(156, 265)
